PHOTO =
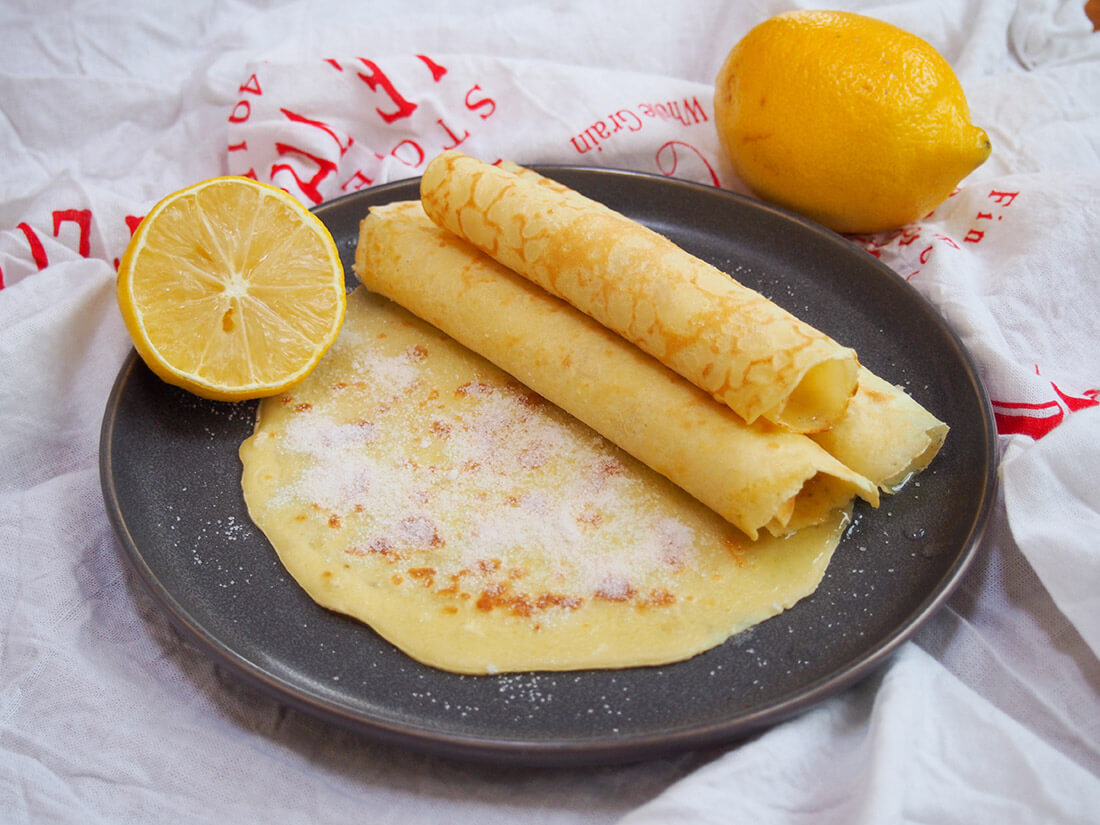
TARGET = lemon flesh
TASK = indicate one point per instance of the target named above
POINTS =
(231, 289)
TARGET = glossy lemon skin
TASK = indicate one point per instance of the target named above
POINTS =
(850, 121)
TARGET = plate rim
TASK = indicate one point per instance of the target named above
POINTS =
(604, 750)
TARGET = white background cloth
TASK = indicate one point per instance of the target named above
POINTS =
(992, 712)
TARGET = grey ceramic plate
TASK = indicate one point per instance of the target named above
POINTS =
(170, 477)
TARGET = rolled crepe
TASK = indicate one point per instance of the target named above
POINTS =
(725, 338)
(885, 435)
(756, 476)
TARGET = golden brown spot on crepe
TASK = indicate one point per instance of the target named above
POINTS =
(657, 597)
(615, 589)
(488, 598)
(548, 600)
(499, 595)
(520, 605)
(736, 549)
(474, 389)
(449, 590)
(334, 521)
(305, 406)
(382, 547)
(527, 399)
(417, 354)
(423, 575)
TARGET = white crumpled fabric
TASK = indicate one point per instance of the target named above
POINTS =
(991, 713)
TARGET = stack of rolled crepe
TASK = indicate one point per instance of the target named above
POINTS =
(763, 418)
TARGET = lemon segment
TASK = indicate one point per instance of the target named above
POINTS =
(849, 120)
(231, 289)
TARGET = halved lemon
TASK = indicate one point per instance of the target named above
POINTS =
(231, 289)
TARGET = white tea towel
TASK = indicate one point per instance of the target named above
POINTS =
(108, 716)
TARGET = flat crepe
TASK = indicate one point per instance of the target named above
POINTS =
(414, 486)
(728, 340)
(756, 476)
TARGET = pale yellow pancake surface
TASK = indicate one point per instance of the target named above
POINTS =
(414, 486)
(756, 476)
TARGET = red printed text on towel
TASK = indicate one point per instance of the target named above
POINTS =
(322, 159)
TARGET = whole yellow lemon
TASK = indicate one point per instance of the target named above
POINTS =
(848, 120)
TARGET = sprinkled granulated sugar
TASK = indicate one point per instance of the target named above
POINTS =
(480, 529)
(480, 485)
(330, 480)
(323, 437)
